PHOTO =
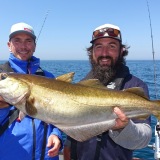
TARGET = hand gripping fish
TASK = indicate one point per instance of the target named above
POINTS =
(81, 110)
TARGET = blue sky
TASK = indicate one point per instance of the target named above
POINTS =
(68, 27)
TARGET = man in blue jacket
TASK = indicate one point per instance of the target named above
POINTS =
(26, 139)
(107, 58)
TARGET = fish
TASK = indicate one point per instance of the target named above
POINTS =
(80, 110)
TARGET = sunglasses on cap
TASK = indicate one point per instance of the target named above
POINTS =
(106, 32)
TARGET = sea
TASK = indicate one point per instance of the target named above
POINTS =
(147, 70)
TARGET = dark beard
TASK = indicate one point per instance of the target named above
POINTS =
(105, 74)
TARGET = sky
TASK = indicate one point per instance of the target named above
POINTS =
(65, 27)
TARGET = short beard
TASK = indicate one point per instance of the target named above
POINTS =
(105, 74)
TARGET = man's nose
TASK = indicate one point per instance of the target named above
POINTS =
(23, 45)
(105, 51)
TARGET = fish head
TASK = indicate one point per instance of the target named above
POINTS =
(13, 90)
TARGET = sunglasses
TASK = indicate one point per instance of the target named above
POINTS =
(107, 32)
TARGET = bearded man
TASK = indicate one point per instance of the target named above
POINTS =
(107, 58)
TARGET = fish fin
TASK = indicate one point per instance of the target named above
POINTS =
(137, 114)
(92, 83)
(29, 106)
(84, 132)
(137, 90)
(68, 77)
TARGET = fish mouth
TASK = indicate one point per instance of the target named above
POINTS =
(13, 90)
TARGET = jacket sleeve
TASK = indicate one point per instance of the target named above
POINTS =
(48, 74)
(3, 114)
(133, 136)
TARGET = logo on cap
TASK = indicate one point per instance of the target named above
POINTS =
(27, 29)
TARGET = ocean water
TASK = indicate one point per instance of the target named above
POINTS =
(145, 70)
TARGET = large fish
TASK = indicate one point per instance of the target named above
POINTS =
(80, 110)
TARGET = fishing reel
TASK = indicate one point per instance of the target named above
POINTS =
(156, 145)
(157, 141)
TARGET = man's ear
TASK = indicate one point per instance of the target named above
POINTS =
(9, 44)
(122, 50)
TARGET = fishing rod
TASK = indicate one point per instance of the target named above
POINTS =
(156, 145)
(153, 53)
(42, 25)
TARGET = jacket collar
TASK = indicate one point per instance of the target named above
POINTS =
(21, 66)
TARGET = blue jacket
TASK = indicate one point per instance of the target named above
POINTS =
(17, 141)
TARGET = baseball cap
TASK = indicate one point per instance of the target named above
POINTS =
(22, 28)
(106, 30)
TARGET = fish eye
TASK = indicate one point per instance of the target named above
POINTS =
(3, 76)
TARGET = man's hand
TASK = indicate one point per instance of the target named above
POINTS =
(3, 104)
(54, 142)
(121, 121)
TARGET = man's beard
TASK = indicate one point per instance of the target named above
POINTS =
(105, 74)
